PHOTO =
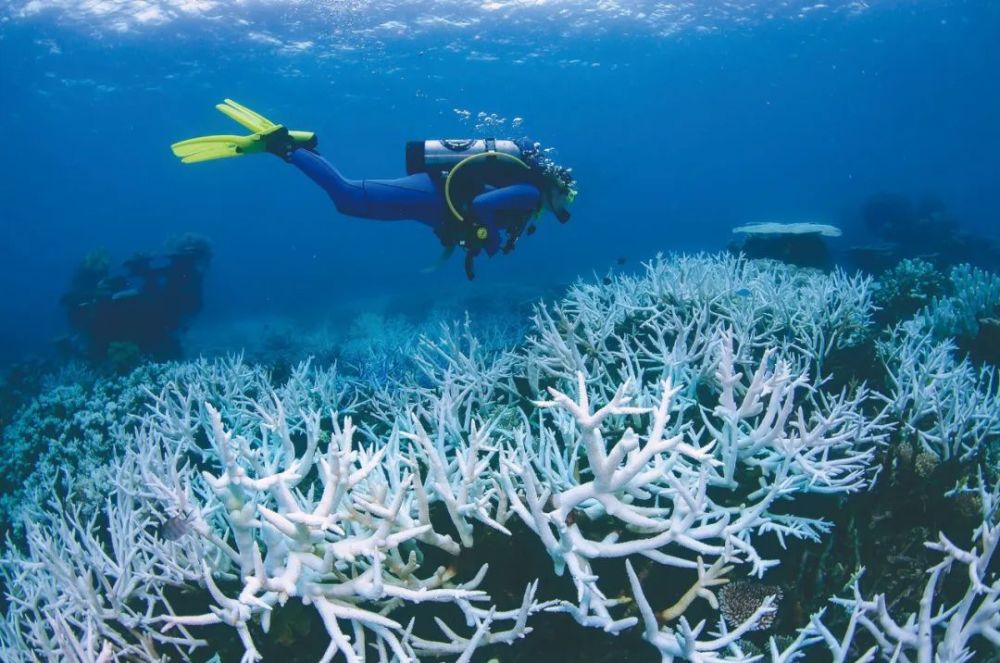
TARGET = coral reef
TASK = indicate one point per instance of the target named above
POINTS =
(800, 244)
(949, 406)
(56, 444)
(376, 346)
(941, 629)
(906, 288)
(924, 230)
(972, 294)
(652, 438)
(139, 308)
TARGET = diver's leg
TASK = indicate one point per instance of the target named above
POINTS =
(348, 195)
(413, 197)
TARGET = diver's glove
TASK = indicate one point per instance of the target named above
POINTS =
(266, 137)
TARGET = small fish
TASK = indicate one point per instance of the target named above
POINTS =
(606, 280)
(175, 527)
(743, 292)
(622, 260)
(125, 294)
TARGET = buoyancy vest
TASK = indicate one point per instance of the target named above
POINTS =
(465, 169)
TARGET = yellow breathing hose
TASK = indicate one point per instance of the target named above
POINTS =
(458, 166)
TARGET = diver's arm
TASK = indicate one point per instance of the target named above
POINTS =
(413, 197)
(491, 208)
(513, 198)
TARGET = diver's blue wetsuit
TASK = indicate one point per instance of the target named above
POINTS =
(418, 197)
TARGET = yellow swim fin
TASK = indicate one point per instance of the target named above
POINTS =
(265, 133)
(207, 148)
(252, 120)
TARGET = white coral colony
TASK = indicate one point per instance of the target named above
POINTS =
(669, 423)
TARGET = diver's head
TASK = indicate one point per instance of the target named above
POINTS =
(556, 182)
(557, 197)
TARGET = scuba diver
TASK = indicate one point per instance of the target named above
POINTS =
(478, 194)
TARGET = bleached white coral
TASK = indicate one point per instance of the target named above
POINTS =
(654, 483)
(653, 325)
(664, 423)
(940, 630)
(950, 406)
(974, 293)
(272, 501)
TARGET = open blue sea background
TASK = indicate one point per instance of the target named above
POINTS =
(680, 120)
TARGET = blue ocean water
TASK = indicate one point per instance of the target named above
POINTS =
(712, 418)
(680, 120)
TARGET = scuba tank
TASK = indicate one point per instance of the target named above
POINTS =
(437, 157)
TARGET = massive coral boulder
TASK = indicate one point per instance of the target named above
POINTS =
(801, 244)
